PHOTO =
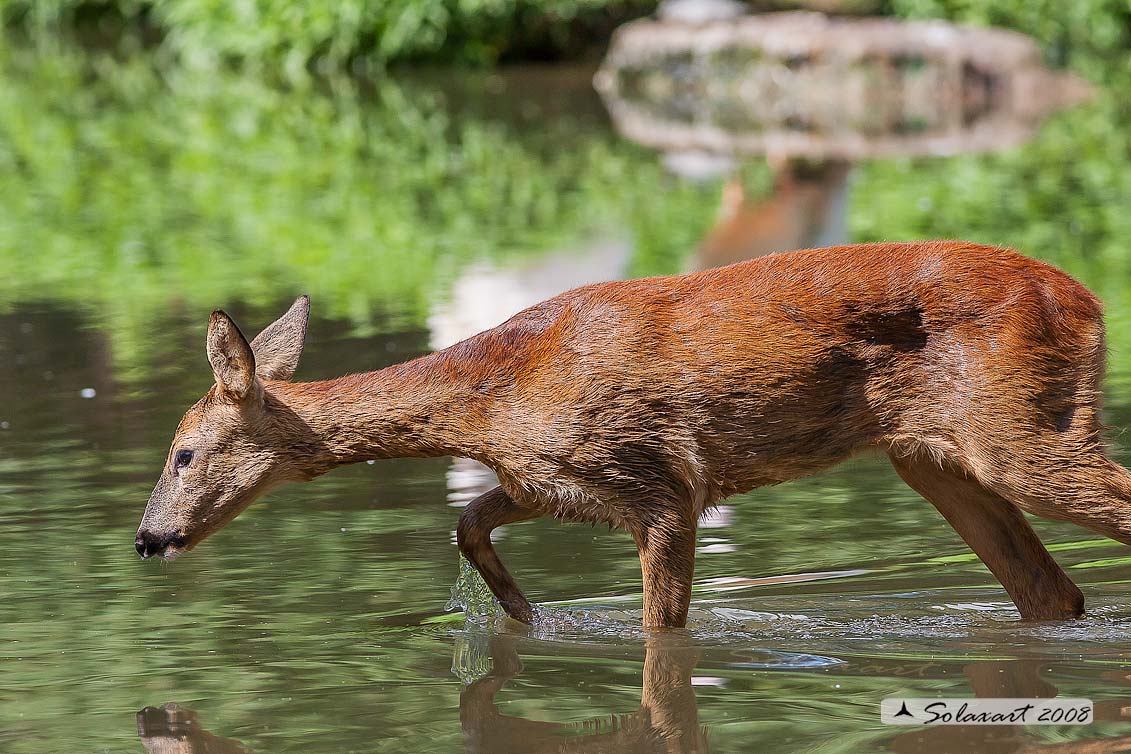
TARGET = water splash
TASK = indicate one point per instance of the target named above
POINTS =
(802, 631)
(471, 656)
(608, 624)
(471, 595)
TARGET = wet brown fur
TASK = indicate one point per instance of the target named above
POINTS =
(642, 403)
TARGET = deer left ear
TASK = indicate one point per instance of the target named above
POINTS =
(278, 347)
(233, 363)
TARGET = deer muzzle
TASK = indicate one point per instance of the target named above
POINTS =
(167, 546)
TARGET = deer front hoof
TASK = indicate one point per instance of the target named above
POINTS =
(521, 612)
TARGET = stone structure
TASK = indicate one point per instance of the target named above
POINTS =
(802, 84)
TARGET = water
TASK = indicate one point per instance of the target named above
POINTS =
(413, 214)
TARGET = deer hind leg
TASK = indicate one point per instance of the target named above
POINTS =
(1085, 488)
(1047, 454)
(667, 564)
(998, 533)
(473, 534)
(1050, 461)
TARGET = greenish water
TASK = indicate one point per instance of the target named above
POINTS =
(415, 211)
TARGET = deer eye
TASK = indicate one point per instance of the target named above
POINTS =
(182, 459)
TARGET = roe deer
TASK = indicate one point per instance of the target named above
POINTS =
(642, 403)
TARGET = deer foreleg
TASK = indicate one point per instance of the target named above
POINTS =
(473, 534)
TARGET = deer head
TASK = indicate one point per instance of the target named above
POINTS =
(173, 729)
(234, 444)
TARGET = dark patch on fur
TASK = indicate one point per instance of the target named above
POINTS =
(900, 330)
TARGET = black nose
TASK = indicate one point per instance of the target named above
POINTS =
(148, 543)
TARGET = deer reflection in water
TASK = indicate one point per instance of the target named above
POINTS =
(173, 729)
(667, 719)
(805, 210)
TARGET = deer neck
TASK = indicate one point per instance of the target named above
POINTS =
(421, 409)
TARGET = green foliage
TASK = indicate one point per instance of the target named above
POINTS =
(290, 36)
(1081, 30)
(339, 33)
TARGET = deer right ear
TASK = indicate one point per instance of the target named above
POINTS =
(233, 363)
(278, 347)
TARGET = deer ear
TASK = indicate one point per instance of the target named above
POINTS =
(278, 347)
(231, 357)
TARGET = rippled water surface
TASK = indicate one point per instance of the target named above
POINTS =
(416, 213)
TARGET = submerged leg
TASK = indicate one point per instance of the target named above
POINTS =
(998, 533)
(473, 534)
(667, 564)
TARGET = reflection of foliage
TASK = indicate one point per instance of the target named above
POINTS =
(209, 189)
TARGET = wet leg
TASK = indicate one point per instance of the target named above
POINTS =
(667, 564)
(473, 534)
(998, 533)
